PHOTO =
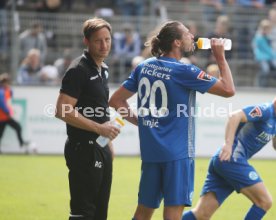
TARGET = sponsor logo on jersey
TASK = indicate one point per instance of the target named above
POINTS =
(204, 76)
(264, 137)
(253, 175)
(255, 112)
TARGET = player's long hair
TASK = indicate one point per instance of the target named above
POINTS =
(162, 42)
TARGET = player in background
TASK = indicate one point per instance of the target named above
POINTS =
(166, 95)
(248, 130)
(6, 110)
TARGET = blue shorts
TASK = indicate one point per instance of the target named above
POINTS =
(173, 181)
(225, 177)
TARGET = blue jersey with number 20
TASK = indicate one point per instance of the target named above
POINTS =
(166, 100)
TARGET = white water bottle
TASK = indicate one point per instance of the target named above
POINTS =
(103, 141)
(205, 44)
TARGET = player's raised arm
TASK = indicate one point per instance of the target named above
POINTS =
(225, 85)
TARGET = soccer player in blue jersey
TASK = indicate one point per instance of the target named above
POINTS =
(247, 131)
(166, 97)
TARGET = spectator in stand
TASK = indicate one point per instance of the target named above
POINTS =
(264, 53)
(214, 8)
(270, 2)
(88, 3)
(63, 62)
(33, 38)
(213, 70)
(222, 30)
(211, 9)
(251, 3)
(272, 19)
(131, 7)
(51, 7)
(3, 30)
(247, 25)
(48, 5)
(29, 70)
(98, 4)
(67, 4)
(127, 45)
(48, 75)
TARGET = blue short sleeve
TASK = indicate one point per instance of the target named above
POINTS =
(194, 78)
(258, 112)
(131, 83)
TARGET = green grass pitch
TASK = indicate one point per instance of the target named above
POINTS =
(36, 188)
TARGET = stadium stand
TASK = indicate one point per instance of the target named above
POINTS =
(66, 28)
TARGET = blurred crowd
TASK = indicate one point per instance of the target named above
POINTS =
(35, 67)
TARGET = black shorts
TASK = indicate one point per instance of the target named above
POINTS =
(90, 177)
